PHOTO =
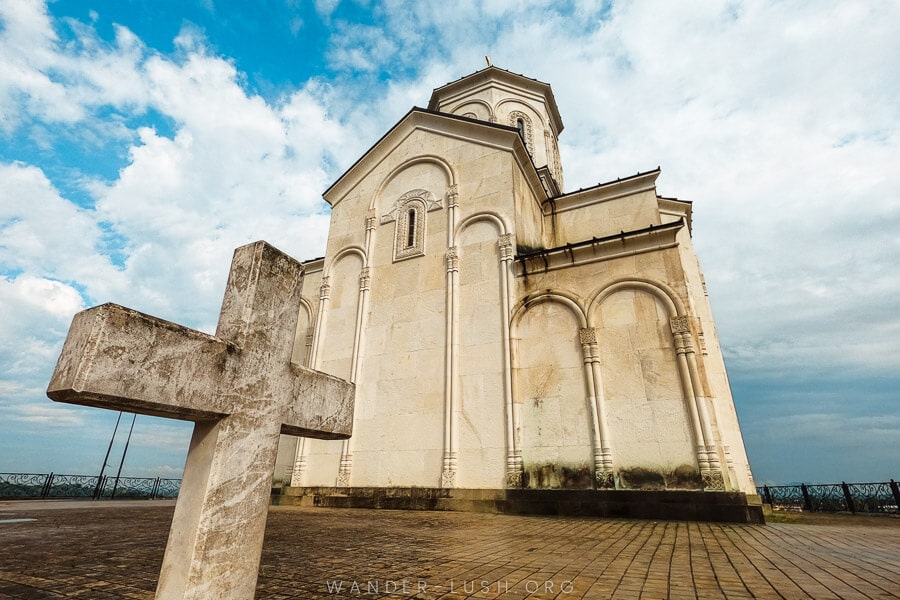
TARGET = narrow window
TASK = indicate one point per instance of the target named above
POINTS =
(411, 228)
(520, 125)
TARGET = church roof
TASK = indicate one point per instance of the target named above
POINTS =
(639, 175)
(493, 73)
(511, 133)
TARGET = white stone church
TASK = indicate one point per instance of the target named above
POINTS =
(503, 333)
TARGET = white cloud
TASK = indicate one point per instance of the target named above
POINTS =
(326, 7)
(27, 59)
(43, 234)
(36, 315)
(58, 300)
(47, 414)
(153, 433)
(236, 170)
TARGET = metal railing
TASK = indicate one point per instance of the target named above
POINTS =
(880, 497)
(60, 485)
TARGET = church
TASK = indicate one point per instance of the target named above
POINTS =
(503, 333)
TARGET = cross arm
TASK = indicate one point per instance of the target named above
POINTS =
(322, 405)
(121, 359)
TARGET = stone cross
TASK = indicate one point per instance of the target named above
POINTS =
(240, 389)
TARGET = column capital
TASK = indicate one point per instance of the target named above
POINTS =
(505, 243)
(680, 324)
(713, 480)
(452, 258)
(605, 480)
(587, 335)
(453, 196)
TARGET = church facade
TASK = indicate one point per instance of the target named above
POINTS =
(501, 332)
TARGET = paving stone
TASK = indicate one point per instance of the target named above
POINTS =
(113, 550)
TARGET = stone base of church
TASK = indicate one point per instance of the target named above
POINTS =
(731, 507)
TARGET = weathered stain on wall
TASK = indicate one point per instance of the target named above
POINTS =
(554, 476)
(682, 477)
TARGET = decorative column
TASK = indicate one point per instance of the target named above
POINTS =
(312, 343)
(310, 335)
(514, 466)
(729, 469)
(299, 468)
(451, 367)
(707, 456)
(603, 465)
(346, 464)
(324, 295)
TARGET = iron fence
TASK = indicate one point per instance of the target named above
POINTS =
(60, 485)
(880, 497)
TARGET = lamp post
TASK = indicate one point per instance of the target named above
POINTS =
(124, 452)
(98, 490)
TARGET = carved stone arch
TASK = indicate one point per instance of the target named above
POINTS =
(656, 288)
(567, 299)
(523, 123)
(303, 338)
(522, 103)
(409, 213)
(443, 165)
(527, 116)
(649, 391)
(466, 104)
(306, 305)
(343, 253)
(496, 219)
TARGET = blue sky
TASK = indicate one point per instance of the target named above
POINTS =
(142, 141)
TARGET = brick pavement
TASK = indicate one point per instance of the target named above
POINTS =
(114, 550)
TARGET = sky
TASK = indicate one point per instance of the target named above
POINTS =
(141, 141)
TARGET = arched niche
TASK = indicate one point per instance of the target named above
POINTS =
(646, 409)
(410, 209)
(473, 109)
(548, 370)
(303, 336)
(335, 352)
(480, 380)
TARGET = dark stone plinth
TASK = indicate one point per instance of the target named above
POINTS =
(731, 507)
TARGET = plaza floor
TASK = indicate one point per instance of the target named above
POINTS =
(100, 550)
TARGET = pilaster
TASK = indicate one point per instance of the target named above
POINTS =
(707, 454)
(603, 464)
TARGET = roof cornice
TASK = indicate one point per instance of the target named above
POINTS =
(625, 243)
(674, 207)
(603, 192)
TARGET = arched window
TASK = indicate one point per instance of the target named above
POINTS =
(522, 122)
(410, 232)
(409, 214)
(411, 228)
